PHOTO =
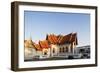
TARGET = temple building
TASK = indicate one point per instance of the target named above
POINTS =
(62, 45)
(52, 46)
(29, 50)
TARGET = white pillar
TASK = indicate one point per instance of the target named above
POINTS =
(69, 49)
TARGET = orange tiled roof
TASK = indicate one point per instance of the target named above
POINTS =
(37, 46)
(65, 39)
(52, 39)
(44, 44)
(68, 38)
(60, 39)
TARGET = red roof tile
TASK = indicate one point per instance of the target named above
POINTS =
(65, 39)
(44, 44)
(37, 46)
(52, 39)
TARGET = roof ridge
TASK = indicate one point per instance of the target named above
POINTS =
(71, 36)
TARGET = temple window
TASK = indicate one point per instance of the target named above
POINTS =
(66, 49)
(63, 49)
(45, 53)
(53, 50)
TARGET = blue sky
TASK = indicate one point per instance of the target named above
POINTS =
(38, 24)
